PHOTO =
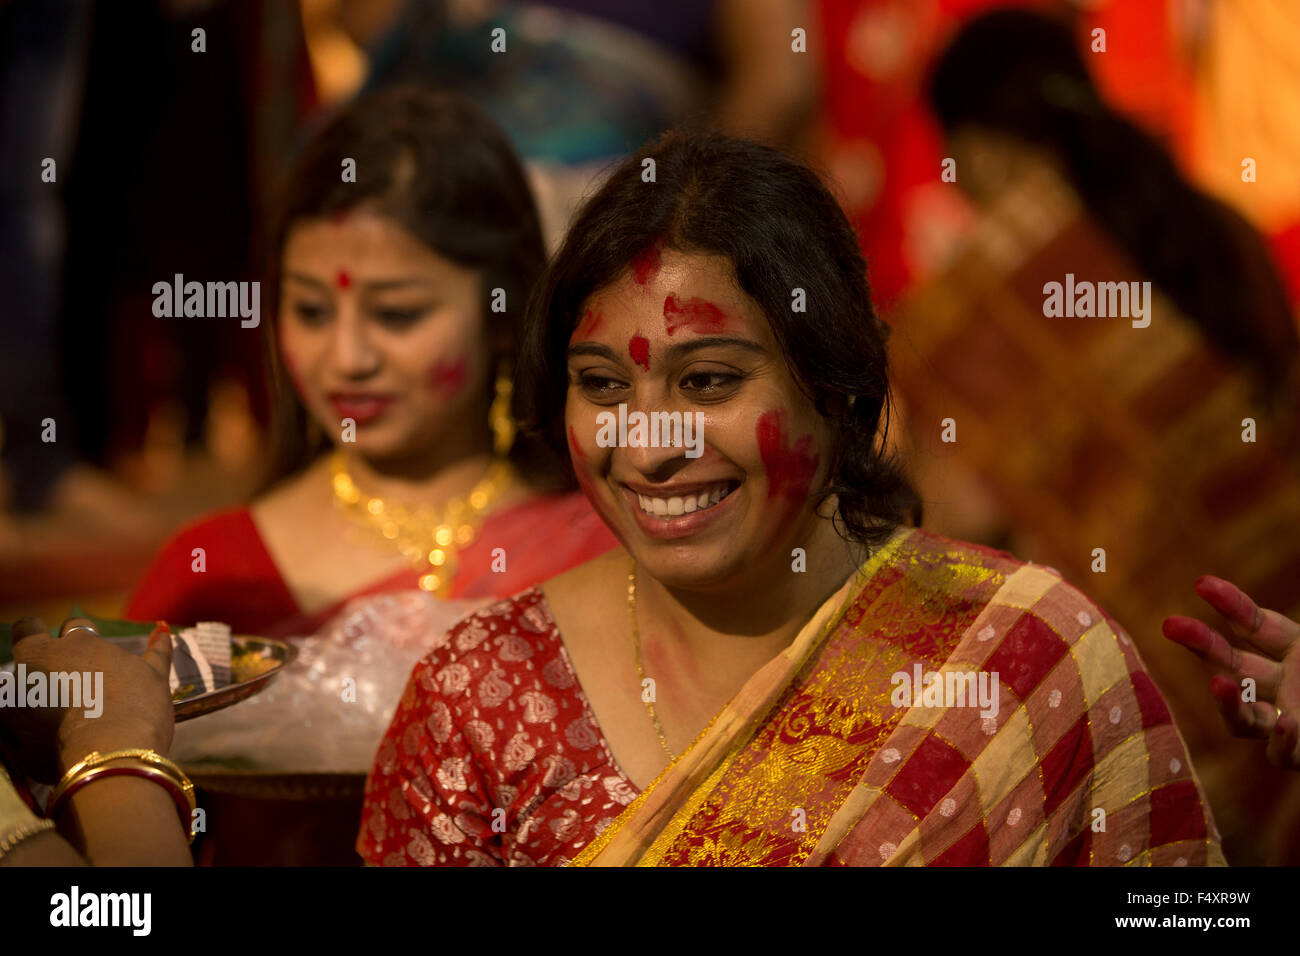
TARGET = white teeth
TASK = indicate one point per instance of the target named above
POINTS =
(688, 504)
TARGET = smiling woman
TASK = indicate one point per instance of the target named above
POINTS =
(401, 256)
(719, 691)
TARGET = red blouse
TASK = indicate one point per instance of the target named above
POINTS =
(239, 583)
(494, 756)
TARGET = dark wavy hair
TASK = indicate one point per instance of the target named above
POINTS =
(440, 167)
(1021, 73)
(781, 228)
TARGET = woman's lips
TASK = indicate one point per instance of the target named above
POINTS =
(676, 526)
(362, 409)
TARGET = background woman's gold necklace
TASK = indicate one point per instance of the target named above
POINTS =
(640, 669)
(427, 537)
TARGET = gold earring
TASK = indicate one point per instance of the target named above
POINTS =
(503, 426)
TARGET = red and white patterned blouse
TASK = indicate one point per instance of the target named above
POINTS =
(494, 756)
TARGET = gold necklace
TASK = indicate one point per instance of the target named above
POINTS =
(640, 669)
(427, 537)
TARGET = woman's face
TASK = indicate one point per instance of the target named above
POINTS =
(377, 328)
(675, 334)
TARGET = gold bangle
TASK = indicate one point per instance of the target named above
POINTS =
(95, 758)
(22, 832)
(139, 763)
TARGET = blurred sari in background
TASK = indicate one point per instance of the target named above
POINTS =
(242, 585)
(1133, 459)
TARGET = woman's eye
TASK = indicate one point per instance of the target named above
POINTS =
(710, 384)
(598, 385)
(309, 313)
(400, 317)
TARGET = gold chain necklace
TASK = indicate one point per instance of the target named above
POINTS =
(427, 537)
(640, 669)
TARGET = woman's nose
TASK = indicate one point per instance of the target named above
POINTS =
(663, 450)
(355, 353)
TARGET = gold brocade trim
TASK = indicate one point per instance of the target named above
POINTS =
(682, 815)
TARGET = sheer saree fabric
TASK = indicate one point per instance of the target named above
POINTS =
(812, 763)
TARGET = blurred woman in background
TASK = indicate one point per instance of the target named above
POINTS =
(1137, 440)
(404, 250)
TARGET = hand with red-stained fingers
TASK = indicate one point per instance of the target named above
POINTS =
(1261, 645)
(132, 708)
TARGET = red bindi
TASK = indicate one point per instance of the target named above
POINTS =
(639, 349)
(699, 315)
(343, 280)
(448, 378)
(646, 265)
(790, 470)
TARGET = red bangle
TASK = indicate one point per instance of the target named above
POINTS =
(184, 806)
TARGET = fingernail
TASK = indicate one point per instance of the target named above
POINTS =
(159, 630)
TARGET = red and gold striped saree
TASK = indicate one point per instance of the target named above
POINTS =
(1097, 441)
(812, 763)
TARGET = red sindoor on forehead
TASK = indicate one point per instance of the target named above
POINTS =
(646, 265)
(343, 280)
(699, 315)
(639, 349)
(587, 326)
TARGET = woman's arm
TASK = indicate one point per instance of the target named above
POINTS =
(118, 821)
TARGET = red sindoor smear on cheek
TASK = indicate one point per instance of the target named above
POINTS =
(589, 323)
(699, 315)
(790, 470)
(295, 379)
(574, 448)
(448, 378)
(639, 349)
(646, 266)
(584, 481)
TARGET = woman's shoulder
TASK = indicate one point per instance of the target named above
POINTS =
(216, 565)
(1030, 607)
(231, 533)
(510, 641)
(561, 516)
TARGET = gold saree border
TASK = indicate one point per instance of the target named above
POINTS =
(820, 626)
